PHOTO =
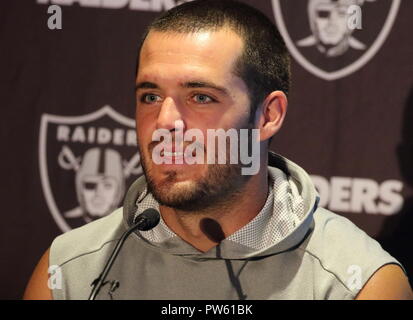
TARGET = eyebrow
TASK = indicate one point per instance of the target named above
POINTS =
(146, 85)
(189, 84)
(205, 84)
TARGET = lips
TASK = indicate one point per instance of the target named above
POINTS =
(171, 150)
(171, 154)
(174, 155)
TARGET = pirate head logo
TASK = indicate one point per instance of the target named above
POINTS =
(100, 180)
(85, 164)
(329, 23)
(319, 35)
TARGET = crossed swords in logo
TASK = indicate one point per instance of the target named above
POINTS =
(68, 161)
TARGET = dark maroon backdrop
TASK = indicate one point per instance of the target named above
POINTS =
(351, 131)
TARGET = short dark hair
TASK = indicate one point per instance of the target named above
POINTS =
(264, 64)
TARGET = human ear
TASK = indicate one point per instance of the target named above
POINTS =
(271, 114)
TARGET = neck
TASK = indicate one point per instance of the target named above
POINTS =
(205, 229)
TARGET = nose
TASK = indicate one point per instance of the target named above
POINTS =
(168, 114)
(99, 189)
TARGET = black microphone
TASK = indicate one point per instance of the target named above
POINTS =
(147, 220)
(144, 222)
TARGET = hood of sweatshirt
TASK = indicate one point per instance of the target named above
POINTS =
(281, 225)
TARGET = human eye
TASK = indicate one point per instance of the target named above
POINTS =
(150, 98)
(203, 98)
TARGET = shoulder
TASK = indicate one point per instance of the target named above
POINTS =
(37, 287)
(387, 283)
(344, 251)
(89, 238)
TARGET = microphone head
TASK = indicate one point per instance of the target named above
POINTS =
(147, 219)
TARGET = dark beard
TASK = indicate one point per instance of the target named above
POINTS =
(221, 184)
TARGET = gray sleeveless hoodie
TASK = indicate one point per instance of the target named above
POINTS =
(291, 250)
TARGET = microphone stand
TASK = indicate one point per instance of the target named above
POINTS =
(143, 223)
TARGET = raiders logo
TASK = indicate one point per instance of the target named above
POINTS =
(318, 33)
(85, 164)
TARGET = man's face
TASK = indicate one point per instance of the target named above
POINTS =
(189, 77)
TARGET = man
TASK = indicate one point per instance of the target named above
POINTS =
(223, 235)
